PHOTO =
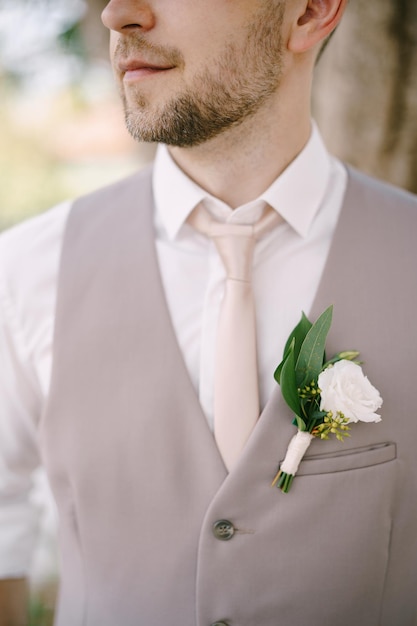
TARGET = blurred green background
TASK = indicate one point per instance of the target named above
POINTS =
(61, 124)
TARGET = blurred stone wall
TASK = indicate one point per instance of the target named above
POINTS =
(365, 97)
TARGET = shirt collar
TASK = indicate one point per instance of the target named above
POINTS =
(296, 194)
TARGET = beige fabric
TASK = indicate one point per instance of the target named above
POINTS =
(236, 393)
(139, 481)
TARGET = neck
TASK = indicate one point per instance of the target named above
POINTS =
(242, 162)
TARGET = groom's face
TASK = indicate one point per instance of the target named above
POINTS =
(190, 69)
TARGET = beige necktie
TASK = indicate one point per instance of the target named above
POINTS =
(236, 395)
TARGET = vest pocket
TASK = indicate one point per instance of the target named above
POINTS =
(346, 460)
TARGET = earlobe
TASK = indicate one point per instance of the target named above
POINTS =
(317, 20)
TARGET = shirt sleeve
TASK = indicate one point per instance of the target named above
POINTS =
(20, 406)
(29, 270)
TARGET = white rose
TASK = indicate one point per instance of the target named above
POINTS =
(345, 388)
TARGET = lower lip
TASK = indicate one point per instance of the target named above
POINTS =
(141, 73)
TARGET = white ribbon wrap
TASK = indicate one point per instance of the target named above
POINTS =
(297, 448)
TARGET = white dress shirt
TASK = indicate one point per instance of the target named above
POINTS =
(288, 264)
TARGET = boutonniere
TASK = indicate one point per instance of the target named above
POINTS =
(326, 396)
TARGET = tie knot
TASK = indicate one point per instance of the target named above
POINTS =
(235, 242)
(236, 252)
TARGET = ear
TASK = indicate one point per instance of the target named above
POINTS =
(315, 21)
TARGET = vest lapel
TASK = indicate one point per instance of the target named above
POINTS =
(274, 430)
(124, 439)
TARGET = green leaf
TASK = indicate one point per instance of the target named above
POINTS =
(298, 334)
(348, 355)
(318, 415)
(310, 358)
(300, 423)
(288, 382)
(277, 373)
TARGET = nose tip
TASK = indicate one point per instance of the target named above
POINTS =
(126, 15)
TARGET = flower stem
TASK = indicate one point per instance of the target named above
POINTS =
(283, 481)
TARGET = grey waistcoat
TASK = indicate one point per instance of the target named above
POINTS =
(137, 476)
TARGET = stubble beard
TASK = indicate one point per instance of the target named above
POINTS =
(220, 97)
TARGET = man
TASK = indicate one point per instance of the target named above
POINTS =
(159, 525)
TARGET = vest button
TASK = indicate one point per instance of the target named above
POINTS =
(223, 530)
